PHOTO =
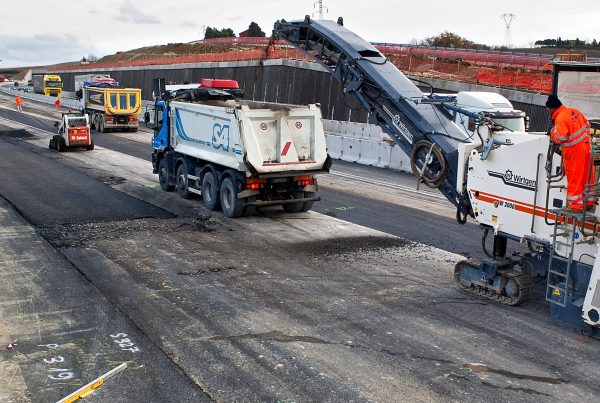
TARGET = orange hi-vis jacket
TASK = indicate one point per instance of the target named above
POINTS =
(18, 100)
(572, 131)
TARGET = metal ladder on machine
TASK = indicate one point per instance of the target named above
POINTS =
(559, 275)
(566, 224)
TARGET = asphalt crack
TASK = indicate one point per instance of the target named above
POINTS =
(208, 270)
(274, 336)
(529, 391)
(475, 367)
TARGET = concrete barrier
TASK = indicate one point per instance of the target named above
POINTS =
(65, 102)
(385, 154)
(399, 161)
(350, 149)
(364, 144)
(370, 152)
(334, 145)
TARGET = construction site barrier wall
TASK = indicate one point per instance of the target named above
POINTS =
(504, 69)
(302, 82)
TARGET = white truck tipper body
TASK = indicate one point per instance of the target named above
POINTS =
(241, 154)
(267, 139)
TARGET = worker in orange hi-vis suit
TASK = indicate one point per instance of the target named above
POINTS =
(19, 102)
(572, 131)
(57, 104)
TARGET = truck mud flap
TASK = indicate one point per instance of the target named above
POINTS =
(280, 202)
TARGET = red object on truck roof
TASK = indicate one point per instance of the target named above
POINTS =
(218, 83)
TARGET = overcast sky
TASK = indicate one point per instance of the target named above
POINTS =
(41, 32)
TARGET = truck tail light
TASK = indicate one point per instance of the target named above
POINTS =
(110, 119)
(75, 130)
(132, 118)
(255, 183)
(304, 180)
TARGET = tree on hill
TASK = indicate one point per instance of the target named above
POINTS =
(566, 43)
(451, 40)
(254, 31)
(218, 33)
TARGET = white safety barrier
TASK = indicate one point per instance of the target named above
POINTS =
(347, 141)
(334, 145)
(65, 102)
(364, 144)
(399, 161)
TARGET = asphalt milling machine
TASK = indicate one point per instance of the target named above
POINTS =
(511, 182)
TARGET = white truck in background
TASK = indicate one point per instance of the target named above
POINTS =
(238, 154)
(494, 106)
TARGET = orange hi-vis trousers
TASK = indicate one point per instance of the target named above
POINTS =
(576, 160)
(572, 131)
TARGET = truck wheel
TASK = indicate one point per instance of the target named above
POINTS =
(182, 182)
(101, 126)
(308, 204)
(249, 210)
(210, 194)
(232, 206)
(163, 177)
(294, 207)
(91, 146)
(61, 145)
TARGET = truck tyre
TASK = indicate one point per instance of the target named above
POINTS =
(294, 207)
(163, 177)
(182, 182)
(61, 145)
(91, 146)
(101, 126)
(210, 195)
(308, 204)
(249, 210)
(231, 205)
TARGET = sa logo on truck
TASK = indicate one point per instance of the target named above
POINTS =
(220, 137)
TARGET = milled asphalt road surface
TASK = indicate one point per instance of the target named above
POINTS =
(306, 307)
(67, 333)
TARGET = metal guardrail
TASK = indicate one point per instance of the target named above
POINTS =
(65, 102)
(356, 142)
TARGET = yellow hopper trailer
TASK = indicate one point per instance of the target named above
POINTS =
(111, 107)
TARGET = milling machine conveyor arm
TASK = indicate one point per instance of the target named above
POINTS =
(419, 124)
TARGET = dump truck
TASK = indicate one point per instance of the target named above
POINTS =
(238, 154)
(73, 131)
(47, 84)
(110, 106)
(81, 79)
